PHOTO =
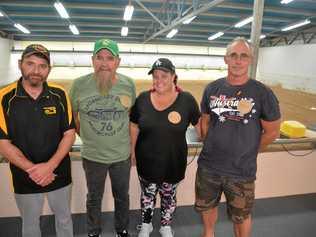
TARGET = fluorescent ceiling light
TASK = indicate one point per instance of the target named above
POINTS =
(188, 21)
(286, 1)
(1, 14)
(124, 31)
(299, 24)
(172, 33)
(128, 13)
(74, 29)
(61, 10)
(215, 36)
(22, 28)
(244, 22)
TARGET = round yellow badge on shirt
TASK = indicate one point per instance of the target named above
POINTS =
(244, 106)
(125, 101)
(174, 117)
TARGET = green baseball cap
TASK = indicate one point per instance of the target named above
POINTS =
(106, 44)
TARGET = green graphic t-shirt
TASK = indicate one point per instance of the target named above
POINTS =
(104, 120)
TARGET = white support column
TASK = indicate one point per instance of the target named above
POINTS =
(258, 8)
(5, 49)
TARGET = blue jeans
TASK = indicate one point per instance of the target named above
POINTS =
(95, 176)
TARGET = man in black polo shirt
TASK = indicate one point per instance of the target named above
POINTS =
(36, 134)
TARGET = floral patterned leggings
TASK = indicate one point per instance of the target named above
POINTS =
(167, 194)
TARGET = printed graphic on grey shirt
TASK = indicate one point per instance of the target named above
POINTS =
(104, 115)
(232, 108)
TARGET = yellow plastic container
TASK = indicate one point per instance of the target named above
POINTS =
(293, 129)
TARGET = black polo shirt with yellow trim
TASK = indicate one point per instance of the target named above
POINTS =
(36, 127)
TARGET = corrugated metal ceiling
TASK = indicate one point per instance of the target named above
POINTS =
(104, 18)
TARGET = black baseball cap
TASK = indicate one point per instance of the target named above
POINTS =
(36, 49)
(162, 64)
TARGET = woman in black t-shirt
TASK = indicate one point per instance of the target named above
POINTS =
(159, 120)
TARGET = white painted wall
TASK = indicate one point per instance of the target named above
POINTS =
(291, 66)
(72, 65)
(294, 66)
(207, 63)
(5, 49)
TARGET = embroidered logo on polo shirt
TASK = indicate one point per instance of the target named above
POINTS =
(49, 110)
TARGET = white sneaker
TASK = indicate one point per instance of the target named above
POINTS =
(166, 231)
(145, 230)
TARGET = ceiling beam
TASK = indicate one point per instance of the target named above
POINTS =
(40, 23)
(73, 16)
(59, 30)
(118, 35)
(291, 41)
(279, 39)
(282, 10)
(178, 22)
(112, 7)
(303, 37)
(150, 13)
(136, 21)
(312, 36)
(3, 34)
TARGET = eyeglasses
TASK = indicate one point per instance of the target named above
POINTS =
(241, 57)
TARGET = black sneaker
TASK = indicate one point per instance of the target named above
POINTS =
(123, 233)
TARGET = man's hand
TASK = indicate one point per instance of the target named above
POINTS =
(46, 181)
(271, 131)
(41, 173)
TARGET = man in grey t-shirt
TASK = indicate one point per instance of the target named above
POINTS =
(101, 103)
(239, 116)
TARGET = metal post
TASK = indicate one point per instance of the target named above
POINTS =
(255, 34)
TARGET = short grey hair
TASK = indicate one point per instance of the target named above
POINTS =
(241, 40)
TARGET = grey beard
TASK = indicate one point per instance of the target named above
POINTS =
(104, 83)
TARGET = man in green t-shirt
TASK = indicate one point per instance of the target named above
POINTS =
(101, 103)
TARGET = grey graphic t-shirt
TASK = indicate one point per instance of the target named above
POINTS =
(104, 120)
(233, 139)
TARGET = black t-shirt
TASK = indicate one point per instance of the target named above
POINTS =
(161, 148)
(233, 139)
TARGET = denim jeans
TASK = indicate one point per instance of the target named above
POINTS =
(95, 176)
